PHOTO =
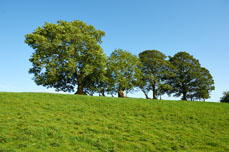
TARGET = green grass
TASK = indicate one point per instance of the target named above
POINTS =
(55, 122)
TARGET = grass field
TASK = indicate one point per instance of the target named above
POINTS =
(56, 122)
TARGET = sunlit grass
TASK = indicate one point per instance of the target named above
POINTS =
(55, 122)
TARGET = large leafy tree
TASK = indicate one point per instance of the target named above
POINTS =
(67, 54)
(124, 71)
(187, 74)
(225, 97)
(155, 71)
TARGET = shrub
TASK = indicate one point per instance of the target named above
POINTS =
(225, 97)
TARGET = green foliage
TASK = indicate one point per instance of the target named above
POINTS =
(123, 68)
(155, 71)
(67, 54)
(54, 122)
(191, 79)
(225, 97)
(205, 84)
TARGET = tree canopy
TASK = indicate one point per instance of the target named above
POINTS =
(155, 71)
(205, 84)
(191, 79)
(124, 71)
(67, 54)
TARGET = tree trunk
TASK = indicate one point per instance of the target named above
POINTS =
(103, 93)
(80, 84)
(154, 92)
(121, 94)
(184, 96)
(147, 97)
(80, 88)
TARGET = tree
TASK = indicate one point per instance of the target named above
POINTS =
(187, 74)
(124, 71)
(67, 54)
(164, 88)
(96, 82)
(225, 98)
(144, 85)
(155, 71)
(205, 84)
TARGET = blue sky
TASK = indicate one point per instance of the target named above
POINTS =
(200, 27)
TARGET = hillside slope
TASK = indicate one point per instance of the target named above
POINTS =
(55, 122)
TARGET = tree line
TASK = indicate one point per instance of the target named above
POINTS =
(68, 54)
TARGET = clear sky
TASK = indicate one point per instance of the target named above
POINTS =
(200, 27)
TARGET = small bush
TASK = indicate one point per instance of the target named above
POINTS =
(225, 97)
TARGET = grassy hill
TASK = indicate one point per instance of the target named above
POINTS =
(55, 122)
